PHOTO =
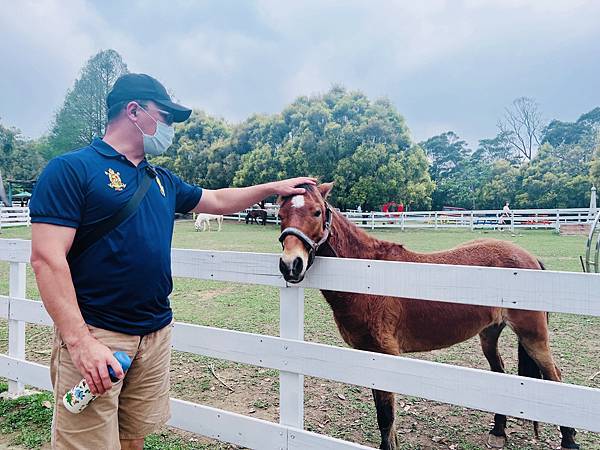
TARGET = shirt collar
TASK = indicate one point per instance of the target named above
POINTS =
(104, 149)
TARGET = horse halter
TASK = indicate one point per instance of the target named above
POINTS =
(310, 245)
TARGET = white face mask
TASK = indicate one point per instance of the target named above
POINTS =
(157, 143)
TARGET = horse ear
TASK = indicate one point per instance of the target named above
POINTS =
(325, 189)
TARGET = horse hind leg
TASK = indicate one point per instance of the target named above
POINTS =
(534, 350)
(489, 345)
(385, 403)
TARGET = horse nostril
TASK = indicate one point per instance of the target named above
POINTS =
(297, 266)
(283, 268)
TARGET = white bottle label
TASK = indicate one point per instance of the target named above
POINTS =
(78, 398)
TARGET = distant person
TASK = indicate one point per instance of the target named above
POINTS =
(112, 292)
(505, 216)
(358, 209)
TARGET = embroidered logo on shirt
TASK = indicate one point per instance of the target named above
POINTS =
(160, 186)
(115, 180)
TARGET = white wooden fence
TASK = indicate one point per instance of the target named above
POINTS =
(476, 219)
(14, 216)
(541, 400)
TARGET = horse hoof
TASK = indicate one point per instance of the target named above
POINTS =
(496, 441)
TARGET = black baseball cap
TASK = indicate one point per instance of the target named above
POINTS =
(139, 86)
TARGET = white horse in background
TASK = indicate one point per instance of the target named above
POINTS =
(203, 221)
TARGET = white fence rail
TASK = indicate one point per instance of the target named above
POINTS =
(14, 216)
(476, 219)
(533, 399)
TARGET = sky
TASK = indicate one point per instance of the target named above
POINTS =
(445, 65)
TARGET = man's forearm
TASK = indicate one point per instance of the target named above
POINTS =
(58, 295)
(238, 199)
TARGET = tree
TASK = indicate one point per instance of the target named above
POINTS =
(595, 168)
(521, 126)
(558, 178)
(585, 129)
(363, 145)
(447, 155)
(496, 149)
(83, 113)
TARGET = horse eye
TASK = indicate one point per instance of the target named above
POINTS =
(317, 213)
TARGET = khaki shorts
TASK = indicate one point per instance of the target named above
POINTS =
(132, 409)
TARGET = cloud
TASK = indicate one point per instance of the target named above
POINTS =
(441, 62)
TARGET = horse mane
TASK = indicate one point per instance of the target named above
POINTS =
(351, 241)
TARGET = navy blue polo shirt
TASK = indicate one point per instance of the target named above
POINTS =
(123, 280)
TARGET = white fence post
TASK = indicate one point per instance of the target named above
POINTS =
(372, 220)
(16, 328)
(291, 385)
(512, 221)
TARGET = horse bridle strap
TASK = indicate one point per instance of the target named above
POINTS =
(310, 245)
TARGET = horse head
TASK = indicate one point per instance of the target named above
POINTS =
(305, 225)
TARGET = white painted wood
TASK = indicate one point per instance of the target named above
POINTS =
(567, 292)
(15, 250)
(25, 372)
(254, 268)
(305, 440)
(16, 328)
(29, 311)
(291, 385)
(4, 301)
(227, 426)
(515, 396)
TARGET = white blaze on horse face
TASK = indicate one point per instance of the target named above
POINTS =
(297, 201)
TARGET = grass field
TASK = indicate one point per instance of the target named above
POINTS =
(331, 408)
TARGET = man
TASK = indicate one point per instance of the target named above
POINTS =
(505, 216)
(114, 294)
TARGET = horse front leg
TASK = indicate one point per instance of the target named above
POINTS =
(385, 403)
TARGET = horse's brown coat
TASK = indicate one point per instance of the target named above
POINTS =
(395, 325)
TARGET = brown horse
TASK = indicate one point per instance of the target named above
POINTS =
(395, 325)
(254, 215)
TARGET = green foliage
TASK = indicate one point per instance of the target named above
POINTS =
(201, 153)
(343, 136)
(557, 178)
(29, 417)
(449, 163)
(595, 168)
(20, 158)
(83, 113)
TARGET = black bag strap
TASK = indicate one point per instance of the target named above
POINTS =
(86, 236)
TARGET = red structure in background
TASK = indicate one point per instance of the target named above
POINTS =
(391, 207)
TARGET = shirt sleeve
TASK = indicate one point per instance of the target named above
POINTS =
(187, 196)
(59, 196)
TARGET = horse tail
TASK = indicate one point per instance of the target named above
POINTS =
(543, 267)
(527, 366)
